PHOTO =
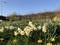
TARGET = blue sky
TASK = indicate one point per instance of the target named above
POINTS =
(28, 6)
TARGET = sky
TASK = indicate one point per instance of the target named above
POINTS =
(23, 7)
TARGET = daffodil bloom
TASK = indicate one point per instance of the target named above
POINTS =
(52, 39)
(15, 40)
(44, 29)
(1, 39)
(49, 43)
(28, 27)
(19, 30)
(15, 33)
(27, 32)
(22, 32)
(32, 26)
(39, 41)
(7, 27)
(55, 18)
(1, 30)
(30, 23)
(39, 27)
(11, 27)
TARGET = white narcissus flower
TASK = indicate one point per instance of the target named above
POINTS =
(1, 39)
(39, 41)
(44, 28)
(30, 23)
(55, 18)
(49, 43)
(39, 27)
(33, 27)
(28, 27)
(27, 32)
(52, 39)
(19, 30)
(7, 27)
(2, 29)
(22, 32)
(14, 40)
(15, 33)
(11, 27)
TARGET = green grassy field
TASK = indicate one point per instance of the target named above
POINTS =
(26, 32)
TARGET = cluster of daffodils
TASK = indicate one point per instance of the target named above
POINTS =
(30, 31)
(2, 29)
(18, 31)
(10, 27)
(7, 27)
(26, 31)
(32, 26)
(52, 39)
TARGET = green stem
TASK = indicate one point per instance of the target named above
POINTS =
(39, 44)
(45, 40)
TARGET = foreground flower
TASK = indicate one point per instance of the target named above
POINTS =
(15, 40)
(49, 43)
(32, 26)
(39, 27)
(7, 27)
(44, 28)
(27, 30)
(30, 23)
(11, 27)
(39, 41)
(19, 30)
(22, 32)
(55, 18)
(15, 33)
(2, 30)
(52, 39)
(28, 27)
(1, 39)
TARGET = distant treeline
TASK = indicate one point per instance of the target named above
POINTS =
(38, 16)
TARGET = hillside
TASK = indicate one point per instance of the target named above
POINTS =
(38, 16)
(44, 15)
